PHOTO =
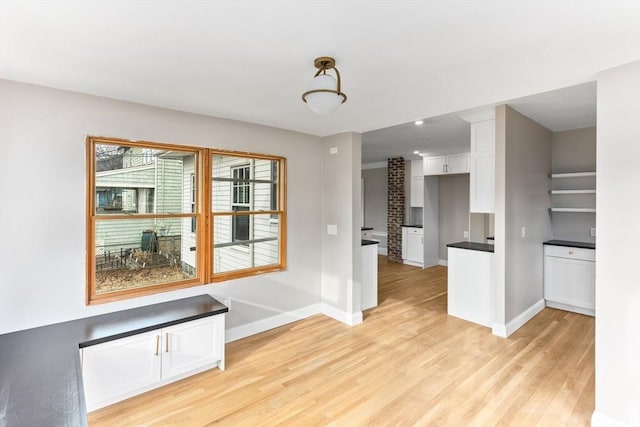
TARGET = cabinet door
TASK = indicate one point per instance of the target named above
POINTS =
(404, 242)
(570, 281)
(415, 248)
(417, 168)
(458, 163)
(118, 369)
(435, 165)
(482, 167)
(417, 192)
(191, 345)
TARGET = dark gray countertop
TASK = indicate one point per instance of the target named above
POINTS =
(412, 225)
(366, 228)
(482, 247)
(40, 370)
(366, 242)
(571, 244)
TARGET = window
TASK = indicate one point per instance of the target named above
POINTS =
(162, 217)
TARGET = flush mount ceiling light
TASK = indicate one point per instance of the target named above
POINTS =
(418, 122)
(323, 95)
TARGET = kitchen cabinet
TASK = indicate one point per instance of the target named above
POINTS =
(369, 297)
(417, 169)
(118, 369)
(366, 233)
(443, 165)
(569, 278)
(413, 246)
(482, 161)
(416, 199)
(469, 277)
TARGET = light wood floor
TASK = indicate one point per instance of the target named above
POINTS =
(407, 364)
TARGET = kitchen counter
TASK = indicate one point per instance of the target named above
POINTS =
(473, 246)
(365, 242)
(571, 244)
(412, 225)
(41, 373)
(366, 228)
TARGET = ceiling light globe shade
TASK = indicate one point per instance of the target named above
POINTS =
(323, 102)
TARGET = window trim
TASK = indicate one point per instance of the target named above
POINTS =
(204, 219)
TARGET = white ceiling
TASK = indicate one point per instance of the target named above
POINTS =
(251, 60)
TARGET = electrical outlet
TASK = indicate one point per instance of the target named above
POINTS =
(524, 232)
(593, 232)
(333, 150)
(227, 302)
(466, 234)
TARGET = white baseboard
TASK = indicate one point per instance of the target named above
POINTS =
(598, 419)
(350, 319)
(262, 325)
(415, 264)
(569, 307)
(504, 331)
(443, 262)
(382, 251)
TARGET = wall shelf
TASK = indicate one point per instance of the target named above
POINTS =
(573, 210)
(590, 191)
(573, 175)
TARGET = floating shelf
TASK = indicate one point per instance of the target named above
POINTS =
(573, 191)
(573, 175)
(573, 210)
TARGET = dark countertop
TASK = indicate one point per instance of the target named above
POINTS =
(482, 247)
(412, 225)
(571, 244)
(366, 228)
(491, 238)
(366, 242)
(40, 370)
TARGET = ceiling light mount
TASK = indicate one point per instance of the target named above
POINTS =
(324, 94)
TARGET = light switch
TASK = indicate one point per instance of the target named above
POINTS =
(332, 229)
(333, 150)
(524, 232)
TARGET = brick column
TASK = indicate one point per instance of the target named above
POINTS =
(395, 207)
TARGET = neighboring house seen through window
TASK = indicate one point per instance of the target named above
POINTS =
(159, 219)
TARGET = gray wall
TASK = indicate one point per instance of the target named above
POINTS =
(375, 198)
(42, 185)
(527, 202)
(341, 253)
(454, 210)
(573, 151)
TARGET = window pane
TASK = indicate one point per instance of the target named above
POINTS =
(134, 253)
(136, 180)
(260, 249)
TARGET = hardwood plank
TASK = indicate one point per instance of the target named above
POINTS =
(409, 363)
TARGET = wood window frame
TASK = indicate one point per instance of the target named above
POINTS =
(203, 214)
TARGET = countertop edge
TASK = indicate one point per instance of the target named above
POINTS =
(570, 244)
(472, 246)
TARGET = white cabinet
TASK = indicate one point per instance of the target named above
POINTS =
(417, 192)
(413, 246)
(369, 278)
(366, 233)
(569, 278)
(417, 169)
(482, 161)
(118, 369)
(469, 277)
(443, 165)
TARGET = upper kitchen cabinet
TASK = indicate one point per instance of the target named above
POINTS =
(482, 161)
(416, 199)
(443, 165)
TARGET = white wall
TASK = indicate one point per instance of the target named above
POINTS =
(42, 204)
(341, 252)
(617, 272)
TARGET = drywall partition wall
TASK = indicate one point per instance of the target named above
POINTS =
(454, 210)
(574, 151)
(617, 273)
(340, 218)
(522, 222)
(375, 198)
(42, 215)
(528, 165)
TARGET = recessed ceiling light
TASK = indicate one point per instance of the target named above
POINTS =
(418, 122)
(416, 152)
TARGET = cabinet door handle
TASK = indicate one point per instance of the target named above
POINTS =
(157, 345)
(166, 342)
(570, 252)
(443, 169)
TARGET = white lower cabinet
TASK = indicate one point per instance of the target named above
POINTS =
(413, 246)
(569, 279)
(118, 369)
